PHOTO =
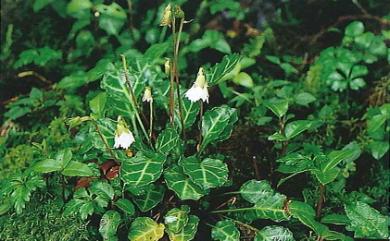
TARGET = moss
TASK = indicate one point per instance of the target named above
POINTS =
(43, 221)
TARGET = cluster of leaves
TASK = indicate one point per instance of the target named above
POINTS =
(175, 181)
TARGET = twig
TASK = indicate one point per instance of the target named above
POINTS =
(321, 200)
(35, 74)
(257, 173)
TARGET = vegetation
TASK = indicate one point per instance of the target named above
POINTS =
(194, 120)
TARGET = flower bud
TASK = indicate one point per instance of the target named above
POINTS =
(147, 95)
(123, 136)
(167, 66)
(166, 19)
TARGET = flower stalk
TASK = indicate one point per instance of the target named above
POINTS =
(133, 101)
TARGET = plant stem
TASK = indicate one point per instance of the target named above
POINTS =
(134, 99)
(321, 200)
(172, 79)
(200, 126)
(63, 188)
(151, 119)
(105, 142)
(176, 44)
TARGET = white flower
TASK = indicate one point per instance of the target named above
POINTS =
(198, 91)
(123, 136)
(170, 219)
(147, 95)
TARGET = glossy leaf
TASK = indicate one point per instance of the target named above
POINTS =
(151, 198)
(188, 232)
(167, 140)
(182, 185)
(176, 219)
(125, 205)
(145, 229)
(278, 106)
(77, 169)
(209, 173)
(217, 124)
(142, 169)
(227, 69)
(366, 222)
(225, 230)
(274, 233)
(109, 225)
(253, 190)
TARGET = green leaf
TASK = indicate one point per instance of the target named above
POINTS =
(145, 229)
(304, 98)
(295, 128)
(150, 199)
(48, 165)
(295, 163)
(39, 4)
(210, 39)
(77, 169)
(98, 104)
(354, 29)
(119, 97)
(188, 232)
(335, 157)
(271, 207)
(167, 140)
(227, 69)
(366, 222)
(217, 124)
(176, 219)
(126, 206)
(190, 112)
(306, 215)
(112, 17)
(274, 233)
(278, 106)
(253, 190)
(225, 230)
(378, 148)
(142, 169)
(109, 225)
(243, 79)
(337, 219)
(182, 185)
(209, 173)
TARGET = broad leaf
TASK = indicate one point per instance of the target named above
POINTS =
(295, 128)
(190, 112)
(77, 169)
(227, 69)
(125, 205)
(145, 229)
(48, 165)
(188, 232)
(109, 225)
(176, 219)
(295, 163)
(271, 207)
(142, 169)
(274, 233)
(167, 140)
(306, 214)
(217, 124)
(119, 97)
(366, 222)
(209, 173)
(278, 106)
(225, 230)
(151, 198)
(253, 190)
(182, 185)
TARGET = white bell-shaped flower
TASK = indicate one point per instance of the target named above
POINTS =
(123, 136)
(147, 95)
(198, 91)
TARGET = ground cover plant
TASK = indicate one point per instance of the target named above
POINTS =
(194, 120)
